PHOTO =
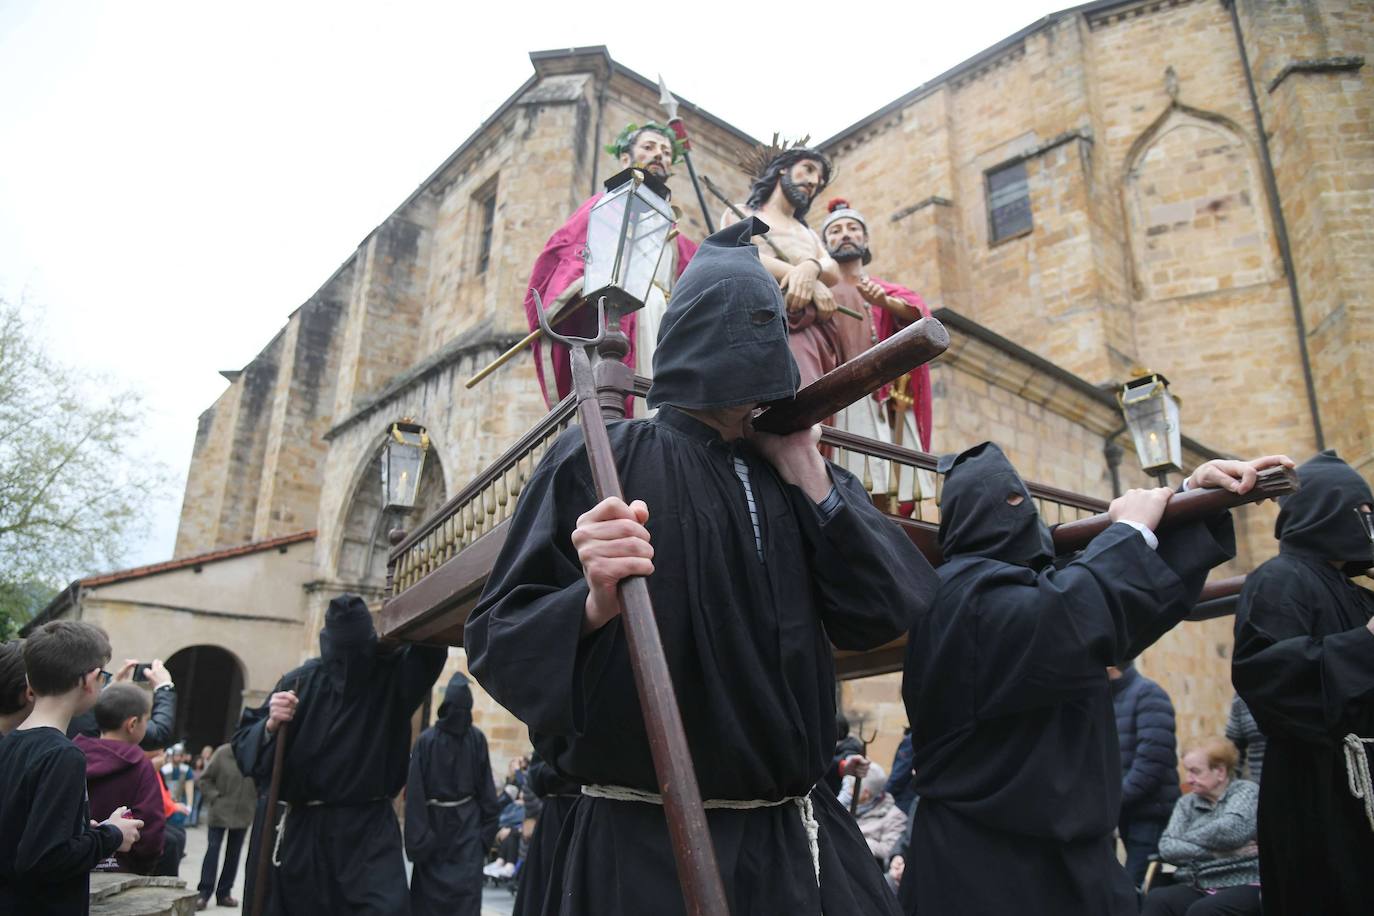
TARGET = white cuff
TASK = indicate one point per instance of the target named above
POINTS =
(1146, 533)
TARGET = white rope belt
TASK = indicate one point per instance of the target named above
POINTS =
(286, 810)
(803, 803)
(1357, 773)
(457, 803)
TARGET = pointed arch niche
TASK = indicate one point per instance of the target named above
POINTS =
(363, 548)
(1195, 208)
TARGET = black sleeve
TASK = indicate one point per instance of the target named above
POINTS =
(870, 580)
(421, 666)
(485, 789)
(419, 839)
(1298, 685)
(1190, 552)
(162, 721)
(1043, 638)
(524, 638)
(253, 744)
(48, 851)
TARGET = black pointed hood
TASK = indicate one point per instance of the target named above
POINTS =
(348, 643)
(975, 519)
(1319, 520)
(455, 713)
(723, 339)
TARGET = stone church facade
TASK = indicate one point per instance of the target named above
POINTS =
(1089, 195)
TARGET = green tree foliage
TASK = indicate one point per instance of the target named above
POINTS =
(72, 491)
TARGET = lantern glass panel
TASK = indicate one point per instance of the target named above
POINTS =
(1152, 415)
(626, 235)
(402, 463)
(646, 235)
(604, 226)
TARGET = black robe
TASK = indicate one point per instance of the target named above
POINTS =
(346, 758)
(560, 797)
(747, 621)
(448, 842)
(748, 643)
(1014, 735)
(1304, 664)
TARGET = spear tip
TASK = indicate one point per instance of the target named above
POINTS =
(666, 99)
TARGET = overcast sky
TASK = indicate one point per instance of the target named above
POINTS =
(177, 177)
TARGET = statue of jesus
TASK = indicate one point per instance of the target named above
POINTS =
(783, 189)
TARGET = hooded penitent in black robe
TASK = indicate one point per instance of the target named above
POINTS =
(346, 755)
(747, 624)
(1012, 726)
(1304, 664)
(450, 810)
(560, 797)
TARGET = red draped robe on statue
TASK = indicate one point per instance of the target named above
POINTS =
(919, 389)
(557, 276)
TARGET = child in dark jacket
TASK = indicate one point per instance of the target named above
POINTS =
(118, 773)
(48, 842)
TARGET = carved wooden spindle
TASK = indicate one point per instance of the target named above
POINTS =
(614, 380)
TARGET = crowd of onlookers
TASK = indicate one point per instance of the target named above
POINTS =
(122, 724)
(1189, 845)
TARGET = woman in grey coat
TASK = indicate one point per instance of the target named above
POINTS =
(229, 800)
(1211, 838)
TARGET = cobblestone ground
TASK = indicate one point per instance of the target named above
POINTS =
(495, 901)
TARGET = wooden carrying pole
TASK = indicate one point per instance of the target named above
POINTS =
(266, 840)
(693, 850)
(914, 345)
(1183, 508)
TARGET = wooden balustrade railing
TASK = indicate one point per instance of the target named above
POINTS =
(489, 498)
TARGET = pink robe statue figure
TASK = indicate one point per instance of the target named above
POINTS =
(557, 273)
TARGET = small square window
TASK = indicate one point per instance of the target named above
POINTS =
(1009, 208)
(487, 207)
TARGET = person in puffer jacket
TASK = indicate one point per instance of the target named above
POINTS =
(1149, 764)
(881, 822)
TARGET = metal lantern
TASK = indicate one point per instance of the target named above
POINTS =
(1152, 417)
(626, 235)
(403, 459)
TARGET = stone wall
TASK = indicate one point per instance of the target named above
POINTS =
(252, 606)
(1153, 242)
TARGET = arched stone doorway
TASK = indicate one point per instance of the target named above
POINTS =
(209, 682)
(364, 547)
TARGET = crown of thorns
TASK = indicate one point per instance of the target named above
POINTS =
(757, 160)
(624, 141)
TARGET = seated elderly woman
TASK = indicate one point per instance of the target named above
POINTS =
(1211, 838)
(881, 822)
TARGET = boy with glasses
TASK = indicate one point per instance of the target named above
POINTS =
(48, 843)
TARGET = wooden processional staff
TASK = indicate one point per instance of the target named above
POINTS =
(693, 850)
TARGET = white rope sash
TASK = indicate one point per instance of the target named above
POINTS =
(450, 803)
(286, 811)
(803, 803)
(1357, 773)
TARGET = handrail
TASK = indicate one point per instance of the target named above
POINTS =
(490, 497)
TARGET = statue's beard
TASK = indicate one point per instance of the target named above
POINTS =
(656, 168)
(796, 195)
(848, 251)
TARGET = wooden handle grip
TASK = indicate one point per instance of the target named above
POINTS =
(910, 347)
(1183, 508)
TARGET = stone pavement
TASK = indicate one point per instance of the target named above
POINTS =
(495, 901)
